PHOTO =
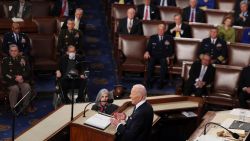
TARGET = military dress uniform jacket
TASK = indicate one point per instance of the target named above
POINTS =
(67, 38)
(15, 66)
(160, 49)
(23, 43)
(218, 51)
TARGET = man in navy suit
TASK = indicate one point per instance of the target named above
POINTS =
(139, 124)
(244, 87)
(193, 13)
(64, 8)
(165, 2)
(18, 38)
(147, 11)
(242, 18)
(79, 21)
(130, 25)
(179, 29)
(214, 46)
(21, 9)
(159, 49)
(201, 74)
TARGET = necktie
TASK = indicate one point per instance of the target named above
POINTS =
(64, 4)
(192, 16)
(130, 25)
(77, 24)
(121, 2)
(162, 2)
(146, 13)
(177, 33)
(202, 73)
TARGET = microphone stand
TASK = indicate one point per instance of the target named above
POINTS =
(234, 135)
(15, 114)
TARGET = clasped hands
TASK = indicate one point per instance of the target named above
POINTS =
(118, 118)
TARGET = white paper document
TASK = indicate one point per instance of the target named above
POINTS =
(99, 121)
(208, 138)
(238, 111)
(17, 19)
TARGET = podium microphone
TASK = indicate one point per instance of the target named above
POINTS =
(235, 135)
(108, 101)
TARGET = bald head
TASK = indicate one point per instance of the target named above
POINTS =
(131, 13)
(138, 93)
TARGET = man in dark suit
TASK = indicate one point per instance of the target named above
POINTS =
(201, 74)
(179, 29)
(21, 9)
(18, 38)
(242, 18)
(165, 2)
(244, 87)
(193, 13)
(159, 49)
(214, 46)
(147, 11)
(64, 8)
(79, 21)
(70, 36)
(130, 25)
(139, 124)
(70, 62)
(237, 5)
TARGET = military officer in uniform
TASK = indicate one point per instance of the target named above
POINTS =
(159, 49)
(70, 36)
(18, 38)
(214, 46)
(16, 73)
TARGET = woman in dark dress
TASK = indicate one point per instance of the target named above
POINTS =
(101, 104)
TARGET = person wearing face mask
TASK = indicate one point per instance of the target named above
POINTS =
(70, 36)
(70, 63)
(101, 102)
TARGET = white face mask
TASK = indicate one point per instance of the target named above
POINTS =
(72, 56)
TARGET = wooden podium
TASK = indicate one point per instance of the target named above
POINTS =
(81, 132)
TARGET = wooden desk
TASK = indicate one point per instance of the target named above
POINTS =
(81, 132)
(217, 117)
(27, 26)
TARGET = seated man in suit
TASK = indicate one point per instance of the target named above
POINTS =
(16, 73)
(214, 46)
(246, 36)
(179, 29)
(18, 38)
(193, 13)
(201, 74)
(70, 36)
(159, 49)
(21, 9)
(122, 1)
(64, 8)
(242, 18)
(79, 21)
(130, 25)
(138, 125)
(68, 63)
(237, 5)
(207, 4)
(244, 87)
(147, 11)
(164, 2)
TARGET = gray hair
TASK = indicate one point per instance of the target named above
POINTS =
(140, 89)
(243, 2)
(79, 9)
(13, 45)
(102, 91)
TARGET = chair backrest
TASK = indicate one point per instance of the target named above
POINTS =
(215, 16)
(138, 2)
(186, 66)
(167, 13)
(226, 80)
(46, 25)
(239, 54)
(182, 3)
(43, 46)
(119, 11)
(41, 9)
(239, 33)
(186, 49)
(150, 27)
(200, 30)
(2, 11)
(225, 4)
(59, 22)
(132, 46)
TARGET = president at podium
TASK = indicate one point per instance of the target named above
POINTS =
(137, 126)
